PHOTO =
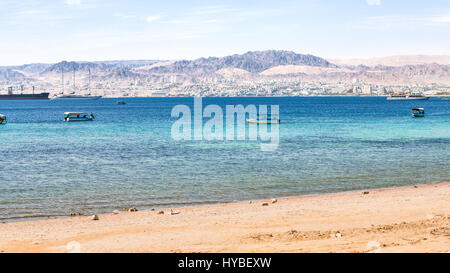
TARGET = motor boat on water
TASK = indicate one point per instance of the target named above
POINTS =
(2, 119)
(265, 119)
(418, 112)
(407, 96)
(78, 116)
(75, 96)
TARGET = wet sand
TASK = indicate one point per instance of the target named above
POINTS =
(402, 219)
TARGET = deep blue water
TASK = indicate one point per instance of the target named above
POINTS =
(127, 157)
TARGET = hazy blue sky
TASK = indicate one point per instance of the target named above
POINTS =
(51, 31)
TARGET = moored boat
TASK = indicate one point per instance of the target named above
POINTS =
(407, 96)
(266, 119)
(74, 96)
(78, 116)
(418, 112)
(2, 119)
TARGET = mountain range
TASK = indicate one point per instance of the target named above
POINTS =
(399, 60)
(269, 64)
(252, 61)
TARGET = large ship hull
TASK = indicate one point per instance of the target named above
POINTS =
(41, 96)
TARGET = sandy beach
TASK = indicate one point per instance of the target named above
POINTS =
(403, 219)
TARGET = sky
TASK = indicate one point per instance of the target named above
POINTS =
(50, 31)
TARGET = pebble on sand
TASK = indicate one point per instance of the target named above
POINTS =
(366, 192)
(132, 210)
(161, 212)
(338, 234)
(116, 211)
(265, 204)
(174, 212)
(94, 217)
(273, 200)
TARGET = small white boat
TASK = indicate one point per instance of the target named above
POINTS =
(418, 112)
(2, 119)
(73, 96)
(78, 116)
(266, 119)
(407, 96)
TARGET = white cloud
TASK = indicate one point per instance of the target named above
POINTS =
(73, 2)
(440, 19)
(152, 18)
(28, 12)
(212, 10)
(221, 15)
(125, 16)
(373, 2)
(400, 22)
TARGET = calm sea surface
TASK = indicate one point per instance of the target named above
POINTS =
(127, 157)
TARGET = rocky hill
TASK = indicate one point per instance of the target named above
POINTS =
(252, 61)
(398, 60)
(65, 66)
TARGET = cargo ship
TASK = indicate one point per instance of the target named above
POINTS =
(11, 96)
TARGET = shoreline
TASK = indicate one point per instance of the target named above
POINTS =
(212, 203)
(287, 96)
(347, 221)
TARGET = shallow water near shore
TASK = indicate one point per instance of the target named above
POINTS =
(127, 157)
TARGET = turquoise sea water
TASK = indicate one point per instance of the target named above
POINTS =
(126, 157)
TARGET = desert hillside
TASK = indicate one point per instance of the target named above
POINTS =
(399, 60)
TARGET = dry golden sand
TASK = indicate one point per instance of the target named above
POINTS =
(404, 219)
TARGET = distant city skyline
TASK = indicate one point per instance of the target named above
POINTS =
(94, 30)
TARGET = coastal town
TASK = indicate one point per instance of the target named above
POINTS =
(222, 87)
(213, 87)
(255, 73)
